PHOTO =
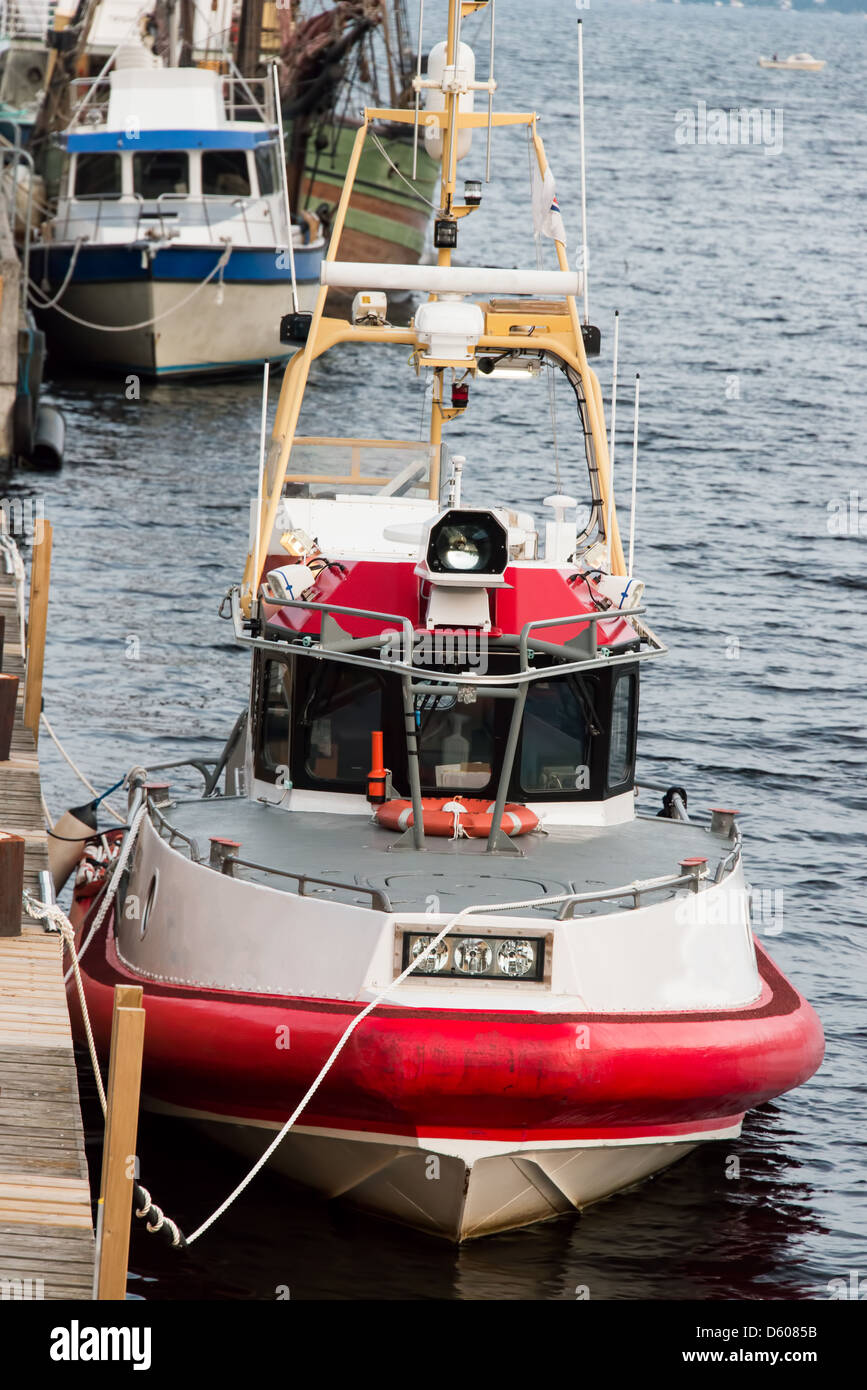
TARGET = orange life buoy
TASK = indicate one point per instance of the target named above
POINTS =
(455, 816)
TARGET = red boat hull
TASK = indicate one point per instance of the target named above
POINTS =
(495, 1076)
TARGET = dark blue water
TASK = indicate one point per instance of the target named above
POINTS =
(739, 276)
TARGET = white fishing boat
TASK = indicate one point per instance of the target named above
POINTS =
(418, 944)
(797, 62)
(171, 251)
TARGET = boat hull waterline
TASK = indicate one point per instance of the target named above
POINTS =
(459, 1123)
(223, 326)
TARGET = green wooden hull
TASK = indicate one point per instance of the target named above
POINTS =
(385, 221)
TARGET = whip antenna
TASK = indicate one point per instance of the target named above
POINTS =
(256, 556)
(285, 182)
(583, 171)
(634, 475)
(417, 85)
(610, 521)
(490, 96)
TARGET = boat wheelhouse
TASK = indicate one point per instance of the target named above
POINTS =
(505, 987)
(171, 235)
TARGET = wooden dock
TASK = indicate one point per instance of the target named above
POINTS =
(46, 1232)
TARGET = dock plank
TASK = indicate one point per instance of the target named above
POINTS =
(46, 1229)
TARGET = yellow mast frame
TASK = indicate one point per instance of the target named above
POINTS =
(565, 343)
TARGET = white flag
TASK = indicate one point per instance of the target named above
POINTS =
(547, 220)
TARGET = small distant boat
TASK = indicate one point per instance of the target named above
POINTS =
(797, 62)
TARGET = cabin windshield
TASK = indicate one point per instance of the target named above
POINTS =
(159, 172)
(225, 173)
(97, 175)
(577, 737)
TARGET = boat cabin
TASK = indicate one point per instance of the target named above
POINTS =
(514, 676)
(182, 152)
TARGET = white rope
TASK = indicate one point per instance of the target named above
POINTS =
(51, 303)
(77, 770)
(51, 912)
(409, 183)
(113, 885)
(148, 1206)
(359, 1019)
(45, 811)
(37, 297)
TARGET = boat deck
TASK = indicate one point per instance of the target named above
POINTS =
(355, 853)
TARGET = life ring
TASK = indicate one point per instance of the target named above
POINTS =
(454, 816)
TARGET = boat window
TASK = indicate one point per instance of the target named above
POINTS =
(276, 707)
(555, 747)
(225, 173)
(265, 169)
(456, 743)
(97, 175)
(621, 750)
(159, 172)
(343, 708)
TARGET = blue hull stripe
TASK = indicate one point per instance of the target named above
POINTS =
(97, 264)
(171, 140)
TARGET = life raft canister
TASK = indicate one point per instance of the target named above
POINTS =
(455, 816)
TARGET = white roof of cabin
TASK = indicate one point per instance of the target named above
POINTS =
(166, 99)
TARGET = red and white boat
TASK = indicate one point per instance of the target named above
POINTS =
(430, 806)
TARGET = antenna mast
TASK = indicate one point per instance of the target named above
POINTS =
(610, 519)
(634, 476)
(583, 172)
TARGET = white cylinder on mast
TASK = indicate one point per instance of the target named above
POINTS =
(440, 71)
(447, 279)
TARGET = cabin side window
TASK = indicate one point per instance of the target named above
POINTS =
(621, 747)
(274, 714)
(265, 169)
(158, 172)
(555, 739)
(225, 173)
(334, 720)
(97, 175)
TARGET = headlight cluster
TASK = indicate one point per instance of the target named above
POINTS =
(476, 957)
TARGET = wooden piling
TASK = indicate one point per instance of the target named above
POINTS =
(121, 1125)
(11, 882)
(37, 626)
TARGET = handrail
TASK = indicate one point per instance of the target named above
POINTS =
(173, 832)
(378, 896)
(349, 649)
(87, 87)
(635, 890)
(602, 615)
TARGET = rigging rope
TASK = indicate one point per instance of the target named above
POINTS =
(50, 304)
(35, 294)
(78, 772)
(347, 1034)
(53, 914)
(410, 185)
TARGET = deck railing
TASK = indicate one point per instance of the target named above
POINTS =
(243, 98)
(87, 213)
